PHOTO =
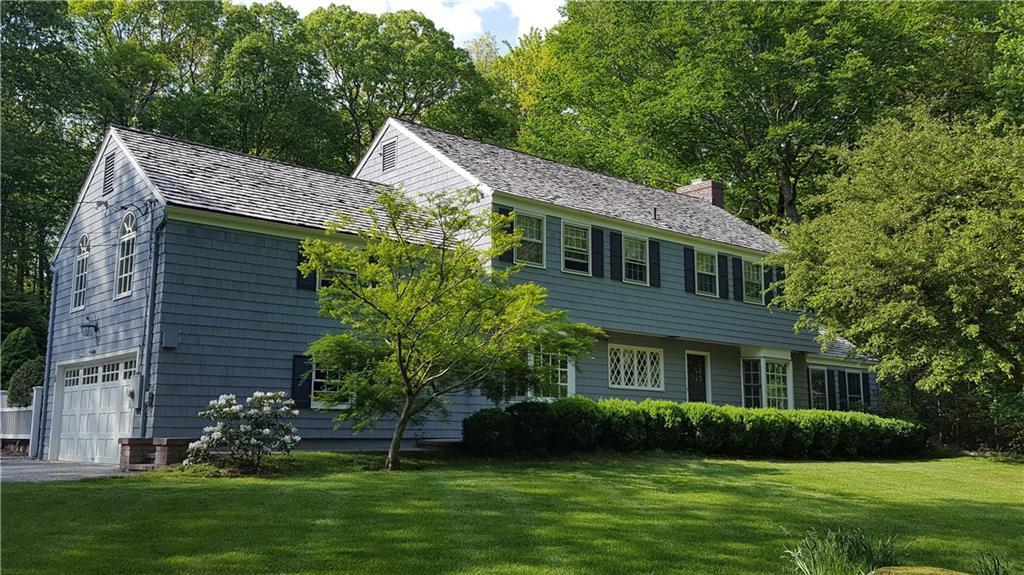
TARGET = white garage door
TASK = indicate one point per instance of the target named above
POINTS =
(96, 410)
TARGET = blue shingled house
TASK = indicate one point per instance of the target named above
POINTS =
(175, 281)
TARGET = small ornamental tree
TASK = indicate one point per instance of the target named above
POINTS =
(246, 434)
(18, 347)
(427, 315)
(29, 375)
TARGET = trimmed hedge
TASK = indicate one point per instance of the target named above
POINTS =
(579, 424)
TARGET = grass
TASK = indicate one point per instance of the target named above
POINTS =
(661, 514)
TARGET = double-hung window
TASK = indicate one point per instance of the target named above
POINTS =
(81, 280)
(632, 367)
(766, 383)
(634, 259)
(751, 383)
(575, 248)
(776, 384)
(557, 375)
(125, 257)
(707, 273)
(323, 387)
(818, 384)
(531, 248)
(753, 291)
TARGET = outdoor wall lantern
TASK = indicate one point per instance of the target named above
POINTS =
(90, 327)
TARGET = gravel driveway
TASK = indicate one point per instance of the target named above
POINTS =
(16, 469)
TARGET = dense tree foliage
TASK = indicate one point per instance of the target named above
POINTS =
(753, 94)
(17, 348)
(919, 257)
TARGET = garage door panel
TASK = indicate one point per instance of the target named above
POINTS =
(96, 410)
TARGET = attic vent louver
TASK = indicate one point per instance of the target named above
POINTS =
(388, 158)
(108, 174)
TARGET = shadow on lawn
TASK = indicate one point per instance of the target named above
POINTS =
(607, 515)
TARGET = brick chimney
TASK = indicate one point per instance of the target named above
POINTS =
(707, 190)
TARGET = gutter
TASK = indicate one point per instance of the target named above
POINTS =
(49, 359)
(147, 346)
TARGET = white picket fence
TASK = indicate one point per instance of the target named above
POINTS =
(21, 422)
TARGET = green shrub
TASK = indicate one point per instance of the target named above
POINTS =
(29, 375)
(488, 432)
(578, 423)
(668, 425)
(17, 348)
(533, 425)
(624, 425)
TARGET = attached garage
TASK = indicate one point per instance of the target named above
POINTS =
(95, 407)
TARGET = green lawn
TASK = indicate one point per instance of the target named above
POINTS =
(445, 515)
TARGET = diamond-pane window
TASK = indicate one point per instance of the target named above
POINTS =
(635, 367)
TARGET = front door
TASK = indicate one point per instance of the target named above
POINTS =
(696, 377)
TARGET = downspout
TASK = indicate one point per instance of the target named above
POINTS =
(49, 359)
(147, 346)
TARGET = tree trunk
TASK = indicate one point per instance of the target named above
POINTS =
(787, 196)
(392, 463)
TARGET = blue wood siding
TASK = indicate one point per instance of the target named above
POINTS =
(668, 310)
(230, 297)
(121, 321)
(416, 169)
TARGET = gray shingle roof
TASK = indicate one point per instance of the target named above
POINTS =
(194, 175)
(840, 348)
(523, 175)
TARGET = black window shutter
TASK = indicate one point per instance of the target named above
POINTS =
(737, 279)
(300, 381)
(506, 256)
(723, 276)
(689, 273)
(830, 390)
(769, 294)
(597, 252)
(865, 382)
(301, 281)
(844, 392)
(654, 250)
(780, 275)
(616, 248)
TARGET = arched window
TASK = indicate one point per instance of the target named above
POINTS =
(81, 274)
(125, 257)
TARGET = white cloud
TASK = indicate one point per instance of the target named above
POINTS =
(459, 17)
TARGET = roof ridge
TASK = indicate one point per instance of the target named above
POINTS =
(532, 155)
(237, 153)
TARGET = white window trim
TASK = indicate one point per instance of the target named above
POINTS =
(590, 249)
(697, 272)
(313, 404)
(647, 262)
(570, 383)
(85, 273)
(543, 240)
(661, 365)
(117, 256)
(810, 393)
(860, 387)
(762, 369)
(760, 281)
(707, 372)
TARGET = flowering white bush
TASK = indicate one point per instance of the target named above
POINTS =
(245, 434)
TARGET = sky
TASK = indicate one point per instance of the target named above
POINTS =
(464, 19)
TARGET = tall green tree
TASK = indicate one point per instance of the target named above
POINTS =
(425, 315)
(919, 256)
(395, 64)
(751, 93)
